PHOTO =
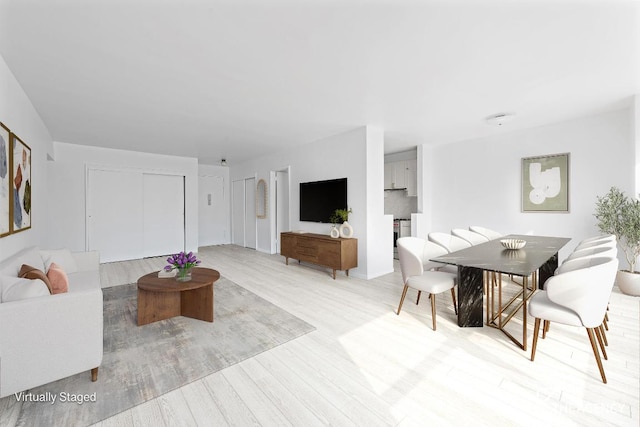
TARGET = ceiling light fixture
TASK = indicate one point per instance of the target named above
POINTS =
(499, 119)
(223, 162)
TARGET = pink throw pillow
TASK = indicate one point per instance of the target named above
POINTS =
(58, 278)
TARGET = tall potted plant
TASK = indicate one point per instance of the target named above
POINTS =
(620, 215)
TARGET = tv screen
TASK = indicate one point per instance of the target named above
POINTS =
(320, 199)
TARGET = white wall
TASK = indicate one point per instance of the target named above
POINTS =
(225, 204)
(635, 132)
(67, 191)
(18, 114)
(379, 255)
(343, 155)
(477, 182)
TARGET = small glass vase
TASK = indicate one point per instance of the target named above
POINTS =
(183, 274)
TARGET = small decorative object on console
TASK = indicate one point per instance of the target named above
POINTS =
(182, 263)
(513, 243)
(346, 231)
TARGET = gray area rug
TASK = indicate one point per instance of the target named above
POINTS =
(141, 363)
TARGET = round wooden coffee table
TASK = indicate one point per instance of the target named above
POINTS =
(163, 298)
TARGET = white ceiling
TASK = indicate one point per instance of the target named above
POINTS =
(239, 79)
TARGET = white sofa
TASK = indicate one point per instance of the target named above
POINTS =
(49, 337)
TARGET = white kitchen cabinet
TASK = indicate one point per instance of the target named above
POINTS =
(411, 177)
(401, 174)
(389, 175)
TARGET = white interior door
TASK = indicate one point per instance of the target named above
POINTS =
(163, 211)
(238, 212)
(212, 220)
(114, 214)
(282, 205)
(250, 220)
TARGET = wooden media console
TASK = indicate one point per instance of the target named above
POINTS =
(320, 249)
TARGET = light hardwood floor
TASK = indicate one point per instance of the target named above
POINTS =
(366, 366)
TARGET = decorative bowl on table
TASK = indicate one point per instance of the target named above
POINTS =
(513, 243)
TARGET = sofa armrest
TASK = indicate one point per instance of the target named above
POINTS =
(47, 338)
(87, 261)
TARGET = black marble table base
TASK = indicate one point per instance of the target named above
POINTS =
(470, 295)
(470, 284)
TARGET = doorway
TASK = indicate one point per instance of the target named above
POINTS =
(212, 220)
(244, 221)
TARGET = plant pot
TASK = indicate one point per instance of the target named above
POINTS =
(628, 282)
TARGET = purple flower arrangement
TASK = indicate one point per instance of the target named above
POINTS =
(182, 262)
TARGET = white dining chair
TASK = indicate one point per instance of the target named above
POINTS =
(470, 236)
(448, 241)
(596, 244)
(598, 238)
(578, 298)
(417, 272)
(596, 251)
(486, 232)
(570, 264)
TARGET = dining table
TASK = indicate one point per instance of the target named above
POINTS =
(486, 263)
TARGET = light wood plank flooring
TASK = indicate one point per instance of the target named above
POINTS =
(366, 366)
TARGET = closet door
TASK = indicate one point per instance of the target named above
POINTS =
(163, 212)
(114, 214)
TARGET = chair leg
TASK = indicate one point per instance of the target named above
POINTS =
(605, 323)
(599, 336)
(94, 374)
(536, 329)
(433, 309)
(596, 354)
(545, 328)
(455, 304)
(604, 336)
(418, 299)
(404, 294)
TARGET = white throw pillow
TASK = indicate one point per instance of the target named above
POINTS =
(15, 288)
(30, 256)
(62, 257)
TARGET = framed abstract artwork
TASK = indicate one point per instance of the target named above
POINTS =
(20, 185)
(545, 183)
(5, 178)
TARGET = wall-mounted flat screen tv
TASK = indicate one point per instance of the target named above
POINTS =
(320, 199)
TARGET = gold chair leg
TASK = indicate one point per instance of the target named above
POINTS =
(433, 309)
(404, 294)
(605, 323)
(418, 299)
(536, 329)
(599, 336)
(604, 336)
(596, 354)
(455, 304)
(545, 328)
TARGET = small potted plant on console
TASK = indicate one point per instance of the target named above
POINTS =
(343, 215)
